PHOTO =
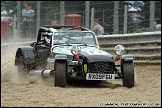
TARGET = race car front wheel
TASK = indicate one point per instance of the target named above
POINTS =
(128, 74)
(60, 73)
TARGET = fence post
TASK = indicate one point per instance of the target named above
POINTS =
(152, 13)
(92, 18)
(62, 13)
(125, 19)
(116, 15)
(87, 14)
(38, 15)
(83, 23)
(14, 28)
(18, 19)
(103, 19)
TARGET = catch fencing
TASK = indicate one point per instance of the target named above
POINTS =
(117, 17)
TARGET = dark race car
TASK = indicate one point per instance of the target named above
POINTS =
(73, 52)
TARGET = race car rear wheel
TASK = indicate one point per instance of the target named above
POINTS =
(22, 68)
(128, 74)
(60, 73)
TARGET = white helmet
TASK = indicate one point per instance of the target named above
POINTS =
(47, 40)
(53, 31)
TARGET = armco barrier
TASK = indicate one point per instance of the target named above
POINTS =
(145, 47)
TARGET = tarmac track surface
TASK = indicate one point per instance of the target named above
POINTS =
(33, 91)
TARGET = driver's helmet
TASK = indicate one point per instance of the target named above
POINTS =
(48, 38)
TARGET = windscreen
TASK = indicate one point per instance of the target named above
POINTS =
(74, 37)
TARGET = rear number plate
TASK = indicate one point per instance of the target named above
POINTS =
(98, 76)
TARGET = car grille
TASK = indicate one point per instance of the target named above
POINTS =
(101, 67)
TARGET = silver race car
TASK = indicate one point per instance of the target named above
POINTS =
(73, 52)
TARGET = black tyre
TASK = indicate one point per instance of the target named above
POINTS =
(60, 73)
(128, 74)
(22, 68)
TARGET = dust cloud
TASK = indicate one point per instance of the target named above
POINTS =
(9, 71)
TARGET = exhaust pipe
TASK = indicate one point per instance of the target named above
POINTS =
(47, 73)
(44, 73)
(35, 72)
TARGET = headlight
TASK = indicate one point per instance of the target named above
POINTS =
(119, 50)
(75, 49)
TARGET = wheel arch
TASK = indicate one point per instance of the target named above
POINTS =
(60, 57)
(27, 52)
(127, 58)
